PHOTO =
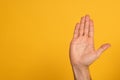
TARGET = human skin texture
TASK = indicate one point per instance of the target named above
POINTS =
(82, 52)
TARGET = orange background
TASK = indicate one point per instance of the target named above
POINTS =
(35, 37)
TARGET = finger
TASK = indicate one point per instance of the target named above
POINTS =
(82, 22)
(103, 48)
(86, 25)
(76, 31)
(91, 30)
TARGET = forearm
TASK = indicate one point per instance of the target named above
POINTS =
(81, 73)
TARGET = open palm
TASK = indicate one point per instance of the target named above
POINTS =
(82, 51)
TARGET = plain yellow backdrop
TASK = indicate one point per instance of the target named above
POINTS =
(35, 37)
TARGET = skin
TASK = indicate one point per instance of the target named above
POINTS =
(82, 51)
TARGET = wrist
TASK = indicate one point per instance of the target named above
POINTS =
(81, 72)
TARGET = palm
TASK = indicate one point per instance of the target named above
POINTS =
(82, 45)
(82, 51)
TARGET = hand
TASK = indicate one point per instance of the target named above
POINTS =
(82, 51)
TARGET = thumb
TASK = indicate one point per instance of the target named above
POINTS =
(102, 48)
